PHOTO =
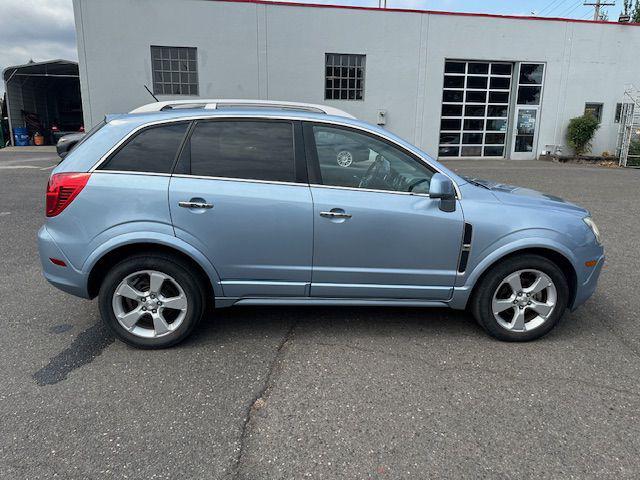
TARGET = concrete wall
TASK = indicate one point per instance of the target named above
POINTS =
(248, 50)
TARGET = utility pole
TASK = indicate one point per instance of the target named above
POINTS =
(597, 5)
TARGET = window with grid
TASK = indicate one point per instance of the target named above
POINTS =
(344, 76)
(475, 107)
(594, 109)
(175, 70)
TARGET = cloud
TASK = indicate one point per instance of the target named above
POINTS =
(36, 29)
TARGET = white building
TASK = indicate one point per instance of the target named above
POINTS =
(454, 84)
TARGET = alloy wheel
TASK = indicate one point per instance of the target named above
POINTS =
(344, 158)
(149, 304)
(524, 300)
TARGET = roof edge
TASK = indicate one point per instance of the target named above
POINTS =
(431, 12)
(35, 64)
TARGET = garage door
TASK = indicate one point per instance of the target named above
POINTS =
(475, 108)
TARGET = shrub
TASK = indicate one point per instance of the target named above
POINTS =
(580, 132)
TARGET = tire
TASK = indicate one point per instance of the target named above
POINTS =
(524, 317)
(157, 324)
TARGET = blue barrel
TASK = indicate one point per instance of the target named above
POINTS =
(21, 136)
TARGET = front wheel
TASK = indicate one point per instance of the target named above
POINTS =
(521, 299)
(151, 301)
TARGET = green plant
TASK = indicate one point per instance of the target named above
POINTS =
(635, 13)
(634, 147)
(580, 132)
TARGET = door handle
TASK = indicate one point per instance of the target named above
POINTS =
(195, 205)
(335, 215)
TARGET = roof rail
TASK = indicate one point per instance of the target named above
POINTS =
(216, 104)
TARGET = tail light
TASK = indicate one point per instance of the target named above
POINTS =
(62, 189)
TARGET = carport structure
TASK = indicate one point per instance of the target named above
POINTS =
(44, 93)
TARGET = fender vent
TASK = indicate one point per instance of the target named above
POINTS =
(466, 247)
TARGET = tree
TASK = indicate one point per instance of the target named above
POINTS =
(626, 7)
(635, 13)
(580, 132)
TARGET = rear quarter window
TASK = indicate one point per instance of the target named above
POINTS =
(153, 150)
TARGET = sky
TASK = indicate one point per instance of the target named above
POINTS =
(44, 29)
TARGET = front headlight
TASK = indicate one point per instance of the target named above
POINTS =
(594, 228)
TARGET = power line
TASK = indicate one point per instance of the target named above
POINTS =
(597, 5)
(550, 6)
(571, 8)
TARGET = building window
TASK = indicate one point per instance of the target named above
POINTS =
(175, 70)
(344, 76)
(475, 108)
(623, 109)
(594, 109)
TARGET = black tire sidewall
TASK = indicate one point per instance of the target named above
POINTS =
(482, 300)
(190, 284)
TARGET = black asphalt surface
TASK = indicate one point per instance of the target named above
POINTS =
(325, 393)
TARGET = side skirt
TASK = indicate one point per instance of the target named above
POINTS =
(222, 302)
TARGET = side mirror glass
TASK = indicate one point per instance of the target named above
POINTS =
(442, 187)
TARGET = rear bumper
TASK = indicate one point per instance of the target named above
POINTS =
(588, 286)
(66, 278)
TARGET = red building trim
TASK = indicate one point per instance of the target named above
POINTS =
(431, 12)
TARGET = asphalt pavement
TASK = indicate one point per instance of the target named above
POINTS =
(326, 393)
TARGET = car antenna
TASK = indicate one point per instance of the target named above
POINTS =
(151, 93)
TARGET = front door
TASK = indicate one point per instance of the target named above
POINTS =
(524, 141)
(238, 197)
(377, 233)
(526, 115)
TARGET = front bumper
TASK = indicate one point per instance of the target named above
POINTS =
(66, 278)
(586, 288)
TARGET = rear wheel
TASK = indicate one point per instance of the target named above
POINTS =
(521, 299)
(151, 301)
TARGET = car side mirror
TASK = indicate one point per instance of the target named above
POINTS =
(442, 187)
(66, 143)
(64, 148)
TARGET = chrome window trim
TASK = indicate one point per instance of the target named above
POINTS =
(358, 189)
(244, 180)
(191, 118)
(133, 172)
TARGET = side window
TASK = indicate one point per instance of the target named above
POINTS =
(255, 150)
(351, 159)
(154, 150)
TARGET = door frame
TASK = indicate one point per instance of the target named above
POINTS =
(515, 107)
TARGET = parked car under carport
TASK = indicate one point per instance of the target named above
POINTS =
(44, 97)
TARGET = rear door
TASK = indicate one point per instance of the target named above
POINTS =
(239, 194)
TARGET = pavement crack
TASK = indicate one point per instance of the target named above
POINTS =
(260, 399)
(83, 349)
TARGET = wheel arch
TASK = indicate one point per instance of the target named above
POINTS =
(112, 256)
(558, 258)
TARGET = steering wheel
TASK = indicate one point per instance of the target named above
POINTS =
(416, 183)
(378, 170)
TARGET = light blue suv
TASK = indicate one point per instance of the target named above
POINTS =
(180, 206)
